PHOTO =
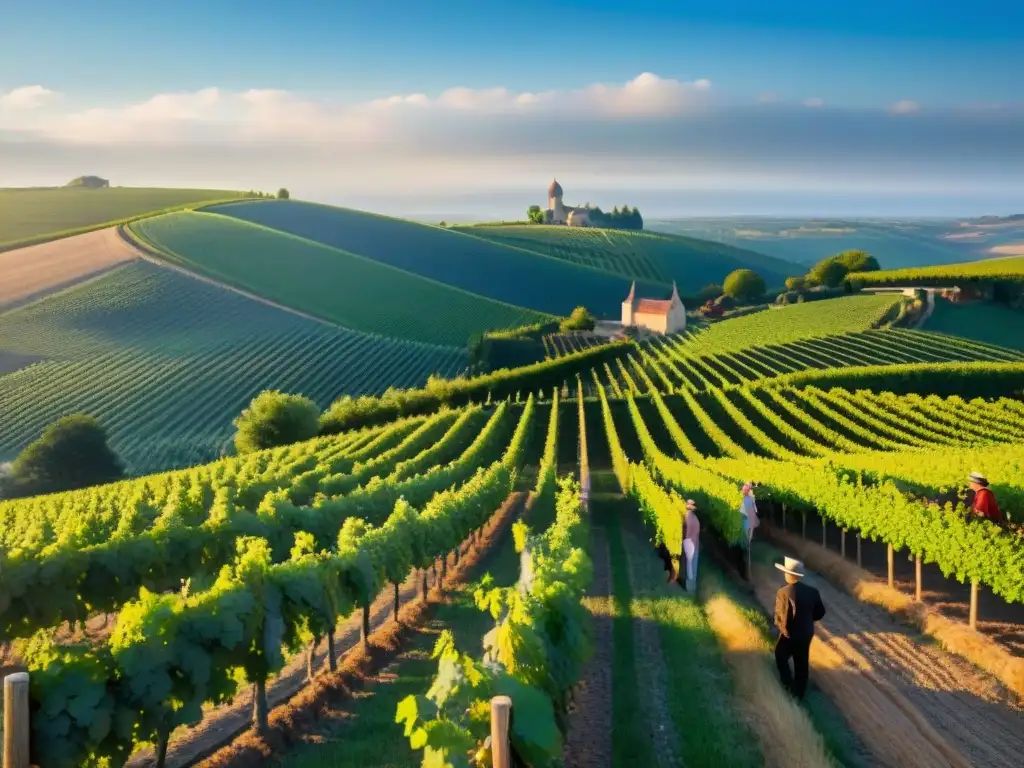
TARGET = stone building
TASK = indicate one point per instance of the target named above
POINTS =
(658, 315)
(559, 213)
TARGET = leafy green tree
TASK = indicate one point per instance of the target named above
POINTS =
(744, 285)
(711, 291)
(828, 272)
(274, 418)
(535, 215)
(579, 320)
(796, 283)
(858, 261)
(71, 453)
(283, 194)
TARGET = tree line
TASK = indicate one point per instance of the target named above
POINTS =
(618, 218)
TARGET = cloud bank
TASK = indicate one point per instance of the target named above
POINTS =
(648, 133)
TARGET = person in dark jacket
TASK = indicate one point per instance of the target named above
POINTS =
(797, 607)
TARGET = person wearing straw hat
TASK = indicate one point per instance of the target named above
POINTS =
(691, 544)
(984, 500)
(797, 607)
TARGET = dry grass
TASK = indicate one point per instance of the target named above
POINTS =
(788, 738)
(40, 269)
(291, 721)
(954, 636)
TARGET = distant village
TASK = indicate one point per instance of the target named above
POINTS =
(588, 215)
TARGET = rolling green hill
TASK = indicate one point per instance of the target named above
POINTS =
(514, 275)
(651, 256)
(1008, 268)
(344, 288)
(33, 215)
(166, 362)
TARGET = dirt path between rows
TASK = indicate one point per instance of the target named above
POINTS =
(910, 702)
(588, 743)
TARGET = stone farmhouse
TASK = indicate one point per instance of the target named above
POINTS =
(658, 315)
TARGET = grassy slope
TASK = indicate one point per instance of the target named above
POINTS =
(33, 215)
(797, 321)
(691, 262)
(341, 287)
(166, 362)
(1010, 267)
(990, 323)
(514, 275)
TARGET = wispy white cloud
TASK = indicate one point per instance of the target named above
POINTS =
(26, 97)
(814, 102)
(905, 107)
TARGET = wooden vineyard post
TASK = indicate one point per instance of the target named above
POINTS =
(892, 567)
(260, 710)
(397, 604)
(973, 621)
(16, 733)
(917, 578)
(803, 524)
(858, 549)
(501, 716)
(783, 517)
(423, 586)
(364, 629)
(824, 532)
(842, 544)
(332, 658)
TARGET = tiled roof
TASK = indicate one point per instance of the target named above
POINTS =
(653, 307)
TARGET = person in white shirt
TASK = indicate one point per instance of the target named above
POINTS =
(748, 508)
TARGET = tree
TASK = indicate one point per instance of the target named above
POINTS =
(535, 215)
(712, 291)
(71, 453)
(579, 320)
(858, 261)
(283, 194)
(274, 418)
(795, 283)
(744, 285)
(829, 272)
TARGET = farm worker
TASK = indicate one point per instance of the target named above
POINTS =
(984, 500)
(797, 607)
(748, 508)
(691, 544)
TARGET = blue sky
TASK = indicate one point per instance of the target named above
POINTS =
(935, 57)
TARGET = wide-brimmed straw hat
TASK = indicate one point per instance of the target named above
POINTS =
(748, 486)
(792, 566)
(691, 504)
(977, 477)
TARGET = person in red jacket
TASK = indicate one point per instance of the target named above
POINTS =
(984, 500)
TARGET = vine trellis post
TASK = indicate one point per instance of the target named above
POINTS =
(16, 715)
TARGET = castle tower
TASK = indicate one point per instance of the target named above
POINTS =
(555, 202)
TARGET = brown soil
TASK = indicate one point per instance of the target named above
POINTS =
(37, 270)
(997, 619)
(911, 703)
(588, 743)
(296, 704)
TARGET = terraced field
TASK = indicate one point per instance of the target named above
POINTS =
(30, 215)
(513, 275)
(1009, 268)
(649, 256)
(166, 362)
(340, 287)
